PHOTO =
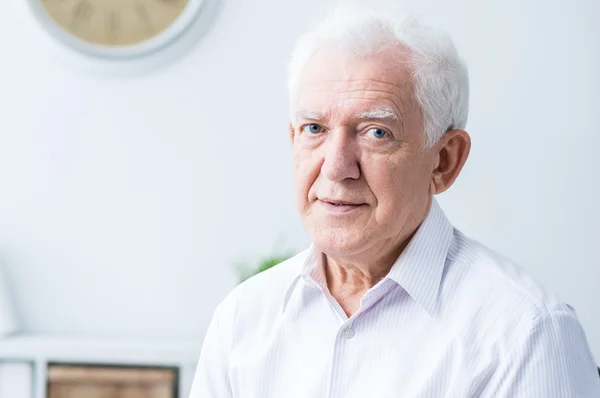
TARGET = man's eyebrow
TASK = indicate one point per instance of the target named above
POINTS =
(378, 113)
(308, 115)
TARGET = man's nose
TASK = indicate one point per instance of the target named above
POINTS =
(341, 157)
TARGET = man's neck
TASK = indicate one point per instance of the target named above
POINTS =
(349, 278)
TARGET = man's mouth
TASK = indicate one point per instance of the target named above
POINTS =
(339, 205)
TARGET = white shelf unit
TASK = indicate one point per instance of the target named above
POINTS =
(40, 350)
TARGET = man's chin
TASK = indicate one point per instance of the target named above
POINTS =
(339, 242)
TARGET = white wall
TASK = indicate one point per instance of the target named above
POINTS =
(125, 201)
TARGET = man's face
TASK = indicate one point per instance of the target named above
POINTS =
(361, 175)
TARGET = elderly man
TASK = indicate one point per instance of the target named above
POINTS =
(390, 300)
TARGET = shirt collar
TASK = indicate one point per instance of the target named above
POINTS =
(311, 270)
(418, 270)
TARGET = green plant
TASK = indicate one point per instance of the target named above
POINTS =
(246, 272)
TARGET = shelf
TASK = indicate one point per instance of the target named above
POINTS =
(30, 347)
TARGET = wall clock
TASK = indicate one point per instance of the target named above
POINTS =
(117, 29)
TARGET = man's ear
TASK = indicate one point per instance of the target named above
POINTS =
(292, 132)
(452, 151)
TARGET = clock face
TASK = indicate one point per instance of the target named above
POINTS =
(114, 23)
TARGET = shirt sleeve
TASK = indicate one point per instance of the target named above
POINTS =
(554, 361)
(212, 377)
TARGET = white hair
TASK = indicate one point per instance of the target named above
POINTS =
(440, 77)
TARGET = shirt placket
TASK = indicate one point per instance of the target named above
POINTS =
(345, 340)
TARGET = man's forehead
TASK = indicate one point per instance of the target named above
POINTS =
(360, 88)
(329, 80)
(356, 85)
(357, 99)
(335, 83)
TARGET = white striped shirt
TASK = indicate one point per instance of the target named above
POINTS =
(451, 319)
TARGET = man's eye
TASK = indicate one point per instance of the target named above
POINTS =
(377, 133)
(312, 129)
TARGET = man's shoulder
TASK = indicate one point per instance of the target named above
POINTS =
(494, 270)
(495, 289)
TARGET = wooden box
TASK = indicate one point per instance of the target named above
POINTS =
(85, 381)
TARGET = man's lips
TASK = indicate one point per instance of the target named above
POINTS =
(340, 202)
(340, 205)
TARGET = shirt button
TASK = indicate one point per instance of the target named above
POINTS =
(348, 332)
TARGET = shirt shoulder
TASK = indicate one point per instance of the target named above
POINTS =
(499, 301)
